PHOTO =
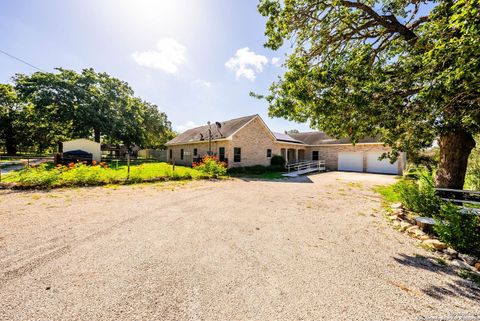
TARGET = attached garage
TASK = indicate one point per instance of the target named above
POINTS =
(352, 162)
(374, 165)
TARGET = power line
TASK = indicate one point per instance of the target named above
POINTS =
(42, 70)
(21, 60)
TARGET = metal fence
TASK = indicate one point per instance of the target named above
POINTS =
(157, 154)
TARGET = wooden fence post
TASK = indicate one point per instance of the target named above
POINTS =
(128, 165)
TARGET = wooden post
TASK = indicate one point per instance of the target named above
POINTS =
(128, 166)
(173, 164)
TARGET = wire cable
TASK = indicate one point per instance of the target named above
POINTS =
(21, 60)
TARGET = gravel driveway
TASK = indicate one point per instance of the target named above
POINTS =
(315, 248)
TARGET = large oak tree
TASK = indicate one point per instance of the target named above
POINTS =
(407, 71)
(42, 109)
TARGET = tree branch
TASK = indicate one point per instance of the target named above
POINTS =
(389, 22)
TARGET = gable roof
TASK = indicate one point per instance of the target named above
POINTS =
(197, 134)
(230, 127)
(320, 138)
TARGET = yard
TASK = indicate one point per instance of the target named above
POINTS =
(313, 248)
(50, 176)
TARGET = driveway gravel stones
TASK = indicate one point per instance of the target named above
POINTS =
(312, 248)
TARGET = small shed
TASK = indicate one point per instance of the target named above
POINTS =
(84, 145)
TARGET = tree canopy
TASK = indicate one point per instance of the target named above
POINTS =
(42, 109)
(406, 71)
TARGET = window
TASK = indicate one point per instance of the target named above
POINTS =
(221, 154)
(171, 156)
(194, 152)
(181, 153)
(237, 154)
(269, 153)
(315, 155)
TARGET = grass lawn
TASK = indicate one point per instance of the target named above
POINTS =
(49, 176)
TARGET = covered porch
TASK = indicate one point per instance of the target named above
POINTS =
(293, 155)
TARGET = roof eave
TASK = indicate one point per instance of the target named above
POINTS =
(196, 142)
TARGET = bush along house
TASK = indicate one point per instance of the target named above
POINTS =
(247, 141)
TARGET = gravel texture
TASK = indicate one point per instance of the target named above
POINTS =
(315, 248)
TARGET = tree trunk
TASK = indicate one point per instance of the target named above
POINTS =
(96, 134)
(455, 147)
(10, 141)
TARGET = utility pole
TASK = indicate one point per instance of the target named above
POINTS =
(209, 139)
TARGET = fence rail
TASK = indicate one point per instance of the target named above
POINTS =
(306, 165)
(459, 195)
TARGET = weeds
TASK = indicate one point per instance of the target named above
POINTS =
(50, 176)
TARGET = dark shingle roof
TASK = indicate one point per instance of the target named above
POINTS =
(231, 126)
(320, 138)
(197, 134)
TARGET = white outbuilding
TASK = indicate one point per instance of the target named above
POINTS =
(85, 145)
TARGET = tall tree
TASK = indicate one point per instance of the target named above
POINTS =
(67, 104)
(9, 114)
(408, 71)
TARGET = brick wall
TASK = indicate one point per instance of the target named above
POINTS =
(255, 138)
(330, 154)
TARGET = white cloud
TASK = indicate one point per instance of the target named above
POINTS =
(276, 61)
(168, 56)
(246, 63)
(203, 83)
(188, 125)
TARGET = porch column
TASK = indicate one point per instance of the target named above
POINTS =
(296, 155)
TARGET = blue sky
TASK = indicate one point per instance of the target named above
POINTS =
(196, 59)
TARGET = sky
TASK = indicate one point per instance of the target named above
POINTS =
(197, 60)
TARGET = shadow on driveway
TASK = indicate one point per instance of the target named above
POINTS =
(457, 287)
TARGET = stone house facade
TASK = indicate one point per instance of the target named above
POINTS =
(248, 141)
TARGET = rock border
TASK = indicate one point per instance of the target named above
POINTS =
(403, 222)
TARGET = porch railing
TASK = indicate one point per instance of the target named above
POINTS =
(317, 164)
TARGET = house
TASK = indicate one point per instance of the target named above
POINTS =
(248, 141)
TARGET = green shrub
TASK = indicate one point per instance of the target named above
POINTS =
(278, 161)
(472, 179)
(460, 231)
(419, 195)
(49, 176)
(211, 167)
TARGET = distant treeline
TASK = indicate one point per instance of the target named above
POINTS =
(37, 111)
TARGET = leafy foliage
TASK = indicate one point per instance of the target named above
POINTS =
(46, 108)
(49, 176)
(278, 161)
(472, 180)
(379, 68)
(460, 231)
(211, 167)
(419, 196)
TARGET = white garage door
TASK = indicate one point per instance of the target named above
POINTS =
(384, 166)
(350, 162)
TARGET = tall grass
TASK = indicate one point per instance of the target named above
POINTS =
(50, 176)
